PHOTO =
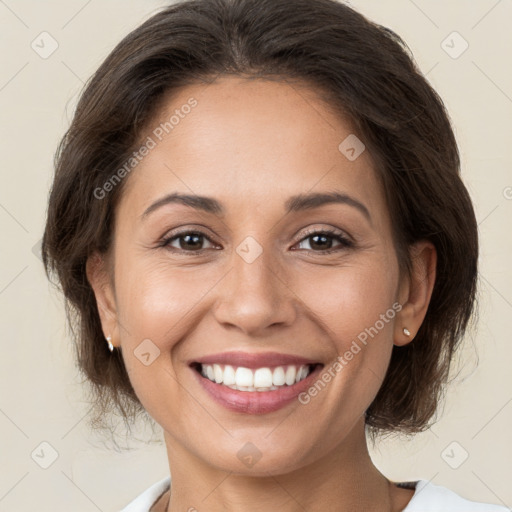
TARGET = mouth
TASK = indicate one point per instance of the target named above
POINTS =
(255, 380)
(254, 388)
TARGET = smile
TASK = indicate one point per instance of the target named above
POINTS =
(251, 380)
(254, 383)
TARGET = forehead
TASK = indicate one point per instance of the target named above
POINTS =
(249, 141)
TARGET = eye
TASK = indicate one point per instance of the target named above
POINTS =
(322, 241)
(186, 241)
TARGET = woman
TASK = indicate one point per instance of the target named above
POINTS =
(258, 217)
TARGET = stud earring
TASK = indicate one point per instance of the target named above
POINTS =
(110, 346)
(407, 332)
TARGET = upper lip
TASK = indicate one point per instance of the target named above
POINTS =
(254, 360)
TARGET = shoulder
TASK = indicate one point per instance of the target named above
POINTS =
(144, 501)
(429, 497)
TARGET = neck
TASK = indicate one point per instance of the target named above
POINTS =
(343, 480)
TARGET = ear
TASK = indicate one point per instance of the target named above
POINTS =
(415, 291)
(99, 279)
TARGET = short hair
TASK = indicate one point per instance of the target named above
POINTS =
(363, 70)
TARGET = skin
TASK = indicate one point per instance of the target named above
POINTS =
(251, 145)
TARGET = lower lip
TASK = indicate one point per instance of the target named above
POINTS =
(255, 402)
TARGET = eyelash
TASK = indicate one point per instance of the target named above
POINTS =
(345, 242)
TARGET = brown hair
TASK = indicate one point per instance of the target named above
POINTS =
(367, 72)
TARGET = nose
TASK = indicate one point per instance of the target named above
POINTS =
(254, 297)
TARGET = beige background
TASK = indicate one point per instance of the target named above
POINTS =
(41, 399)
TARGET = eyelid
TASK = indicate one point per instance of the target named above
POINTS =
(329, 231)
(190, 228)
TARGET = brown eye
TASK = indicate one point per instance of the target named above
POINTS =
(188, 241)
(321, 241)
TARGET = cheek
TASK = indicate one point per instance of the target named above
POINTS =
(158, 308)
(356, 308)
(350, 299)
(156, 300)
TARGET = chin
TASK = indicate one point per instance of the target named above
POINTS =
(257, 458)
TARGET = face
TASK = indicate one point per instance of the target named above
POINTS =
(253, 276)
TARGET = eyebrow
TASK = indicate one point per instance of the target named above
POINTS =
(293, 204)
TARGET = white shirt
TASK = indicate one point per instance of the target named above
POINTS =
(427, 498)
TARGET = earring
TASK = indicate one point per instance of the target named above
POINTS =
(110, 346)
(407, 332)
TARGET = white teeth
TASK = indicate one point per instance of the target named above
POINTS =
(229, 376)
(217, 372)
(243, 377)
(278, 376)
(245, 388)
(291, 372)
(301, 374)
(261, 379)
